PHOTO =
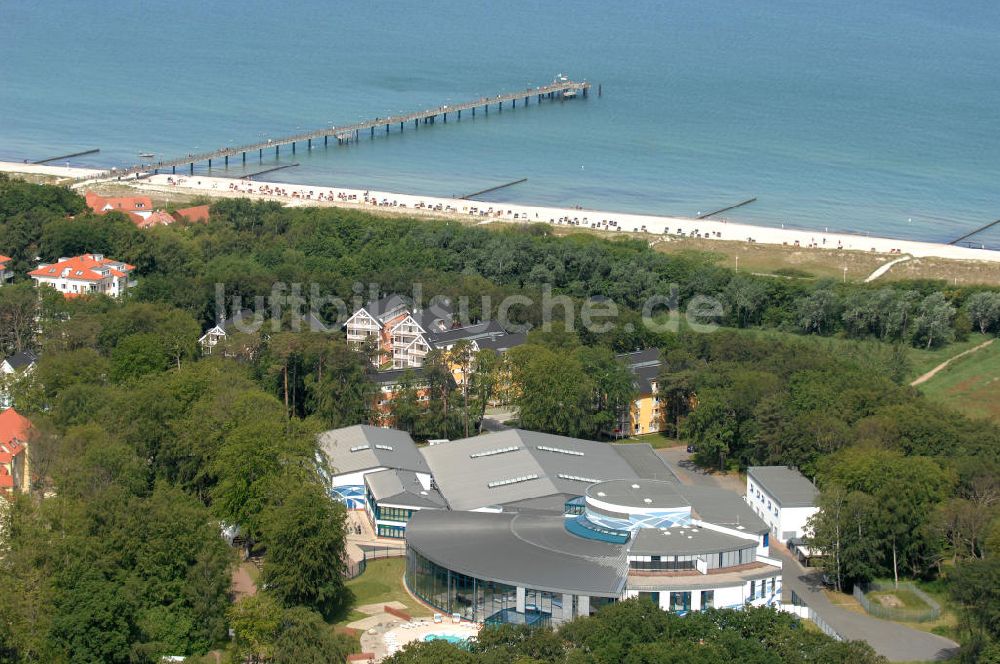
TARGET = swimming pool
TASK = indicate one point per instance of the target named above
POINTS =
(450, 638)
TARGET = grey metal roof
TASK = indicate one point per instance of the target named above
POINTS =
(386, 307)
(645, 366)
(373, 447)
(638, 493)
(25, 358)
(788, 487)
(554, 504)
(503, 343)
(514, 465)
(646, 463)
(476, 332)
(436, 316)
(402, 488)
(722, 507)
(684, 542)
(519, 549)
(395, 376)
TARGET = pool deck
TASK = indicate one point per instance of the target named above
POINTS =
(388, 638)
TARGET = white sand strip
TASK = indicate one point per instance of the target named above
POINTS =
(295, 194)
(47, 169)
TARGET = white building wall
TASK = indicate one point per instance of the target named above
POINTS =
(353, 479)
(794, 519)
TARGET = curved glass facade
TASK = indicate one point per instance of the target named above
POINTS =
(478, 600)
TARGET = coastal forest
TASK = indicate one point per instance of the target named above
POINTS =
(145, 446)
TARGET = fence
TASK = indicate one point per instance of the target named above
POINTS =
(875, 608)
(372, 552)
(799, 608)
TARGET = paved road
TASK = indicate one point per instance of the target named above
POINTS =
(896, 642)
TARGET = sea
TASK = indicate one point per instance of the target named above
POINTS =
(876, 116)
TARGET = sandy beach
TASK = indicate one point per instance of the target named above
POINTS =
(47, 169)
(495, 212)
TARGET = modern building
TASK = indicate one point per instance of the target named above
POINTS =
(357, 451)
(783, 498)
(685, 549)
(6, 274)
(644, 415)
(393, 496)
(89, 273)
(15, 432)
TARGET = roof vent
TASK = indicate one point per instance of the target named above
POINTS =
(647, 500)
(512, 480)
(635, 486)
(559, 450)
(423, 493)
(601, 494)
(359, 448)
(577, 478)
(383, 447)
(499, 450)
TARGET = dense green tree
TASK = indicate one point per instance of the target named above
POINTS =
(305, 534)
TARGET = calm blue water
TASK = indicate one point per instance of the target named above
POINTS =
(879, 116)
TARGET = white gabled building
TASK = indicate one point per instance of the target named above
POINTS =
(86, 274)
(783, 498)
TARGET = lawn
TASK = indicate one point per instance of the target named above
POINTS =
(971, 384)
(382, 581)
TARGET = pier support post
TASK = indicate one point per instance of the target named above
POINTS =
(276, 150)
(260, 154)
(400, 127)
(293, 147)
(387, 129)
(445, 117)
(310, 146)
(173, 169)
(585, 91)
(460, 115)
(192, 168)
(416, 123)
(209, 163)
(227, 160)
(244, 156)
(513, 103)
(373, 132)
(326, 141)
(473, 111)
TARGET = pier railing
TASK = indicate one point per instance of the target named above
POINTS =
(346, 132)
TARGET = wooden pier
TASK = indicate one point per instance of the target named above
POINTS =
(351, 133)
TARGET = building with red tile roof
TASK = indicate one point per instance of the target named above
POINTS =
(196, 214)
(89, 273)
(5, 272)
(141, 205)
(15, 431)
(155, 218)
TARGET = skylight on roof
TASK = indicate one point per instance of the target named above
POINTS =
(494, 452)
(383, 447)
(359, 448)
(559, 450)
(577, 478)
(512, 480)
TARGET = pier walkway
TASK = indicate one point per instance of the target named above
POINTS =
(353, 132)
